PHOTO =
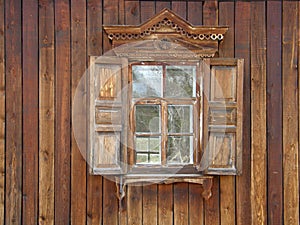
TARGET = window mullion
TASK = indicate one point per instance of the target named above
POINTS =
(164, 132)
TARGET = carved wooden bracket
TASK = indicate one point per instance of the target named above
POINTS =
(205, 181)
(169, 28)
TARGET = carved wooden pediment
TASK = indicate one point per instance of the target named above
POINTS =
(163, 29)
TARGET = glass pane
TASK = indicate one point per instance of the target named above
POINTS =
(180, 81)
(141, 144)
(141, 158)
(180, 119)
(180, 150)
(146, 81)
(155, 158)
(147, 118)
(154, 144)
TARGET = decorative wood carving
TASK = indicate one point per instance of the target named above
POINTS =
(163, 33)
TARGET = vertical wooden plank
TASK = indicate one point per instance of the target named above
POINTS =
(242, 50)
(94, 48)
(135, 205)
(195, 12)
(78, 63)
(150, 204)
(13, 47)
(179, 7)
(62, 108)
(181, 204)
(227, 183)
(210, 12)
(110, 202)
(132, 12)
(212, 206)
(274, 112)
(160, 5)
(30, 112)
(195, 205)
(258, 114)
(165, 204)
(149, 191)
(46, 112)
(2, 113)
(290, 112)
(110, 17)
(147, 10)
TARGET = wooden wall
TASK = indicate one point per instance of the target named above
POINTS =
(44, 47)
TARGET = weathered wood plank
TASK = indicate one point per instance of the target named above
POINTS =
(2, 112)
(160, 5)
(132, 12)
(258, 114)
(242, 50)
(196, 206)
(78, 62)
(165, 204)
(94, 48)
(62, 108)
(147, 10)
(181, 206)
(274, 112)
(110, 202)
(13, 74)
(135, 205)
(210, 12)
(227, 183)
(110, 16)
(46, 112)
(194, 12)
(150, 204)
(30, 112)
(290, 112)
(179, 7)
(212, 206)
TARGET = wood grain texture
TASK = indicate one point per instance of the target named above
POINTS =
(212, 206)
(160, 5)
(194, 11)
(196, 204)
(2, 112)
(13, 120)
(46, 112)
(110, 202)
(78, 62)
(165, 204)
(132, 12)
(290, 112)
(274, 112)
(135, 205)
(181, 205)
(63, 115)
(110, 16)
(30, 112)
(242, 50)
(150, 204)
(258, 114)
(179, 7)
(147, 10)
(94, 48)
(227, 183)
(210, 12)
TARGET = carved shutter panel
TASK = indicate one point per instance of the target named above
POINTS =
(107, 123)
(222, 116)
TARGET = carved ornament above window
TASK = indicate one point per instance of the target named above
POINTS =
(171, 28)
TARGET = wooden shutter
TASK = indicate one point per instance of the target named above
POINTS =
(222, 116)
(107, 113)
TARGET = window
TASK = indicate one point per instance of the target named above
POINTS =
(156, 110)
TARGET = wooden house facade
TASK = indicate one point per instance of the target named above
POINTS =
(44, 50)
